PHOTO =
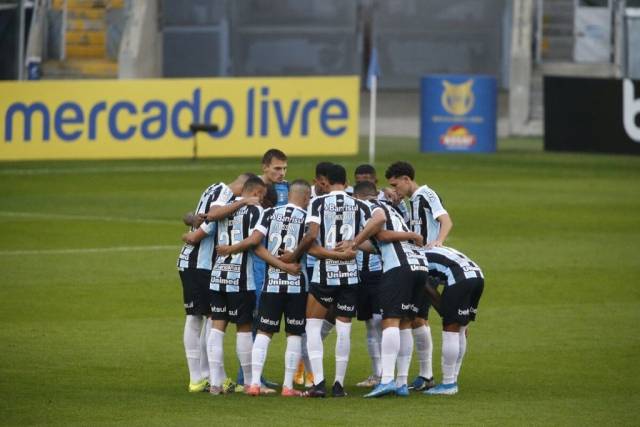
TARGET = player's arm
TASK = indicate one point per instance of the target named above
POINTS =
(194, 237)
(249, 243)
(374, 225)
(192, 219)
(307, 240)
(445, 227)
(399, 236)
(368, 247)
(217, 212)
(262, 252)
(324, 253)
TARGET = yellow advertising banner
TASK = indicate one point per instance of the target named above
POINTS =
(111, 119)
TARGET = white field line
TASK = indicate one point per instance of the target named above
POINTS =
(46, 216)
(90, 250)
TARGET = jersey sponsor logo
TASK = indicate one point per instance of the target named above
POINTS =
(463, 312)
(269, 322)
(457, 99)
(225, 281)
(631, 109)
(415, 267)
(345, 307)
(341, 274)
(233, 312)
(282, 282)
(295, 322)
(410, 307)
(228, 267)
(189, 305)
(332, 207)
(283, 218)
(328, 300)
(217, 309)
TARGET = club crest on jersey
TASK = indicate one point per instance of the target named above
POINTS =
(457, 99)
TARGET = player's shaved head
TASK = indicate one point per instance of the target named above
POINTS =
(365, 190)
(299, 193)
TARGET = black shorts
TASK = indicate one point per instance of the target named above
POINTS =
(459, 303)
(235, 307)
(344, 297)
(401, 293)
(196, 294)
(273, 306)
(368, 303)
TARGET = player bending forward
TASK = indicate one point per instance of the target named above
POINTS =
(463, 285)
(285, 288)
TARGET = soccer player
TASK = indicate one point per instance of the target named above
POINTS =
(194, 266)
(333, 219)
(274, 170)
(463, 285)
(401, 291)
(233, 283)
(368, 305)
(320, 187)
(429, 219)
(284, 292)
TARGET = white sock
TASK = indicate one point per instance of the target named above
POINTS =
(258, 356)
(315, 349)
(463, 350)
(204, 361)
(305, 354)
(215, 352)
(244, 344)
(404, 356)
(390, 346)
(291, 359)
(327, 327)
(373, 344)
(192, 331)
(450, 352)
(424, 350)
(343, 347)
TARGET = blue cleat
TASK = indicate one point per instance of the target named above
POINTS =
(382, 389)
(402, 391)
(446, 389)
(421, 383)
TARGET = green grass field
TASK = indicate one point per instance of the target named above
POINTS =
(94, 337)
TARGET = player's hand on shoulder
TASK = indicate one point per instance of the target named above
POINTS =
(392, 195)
(418, 240)
(199, 219)
(434, 244)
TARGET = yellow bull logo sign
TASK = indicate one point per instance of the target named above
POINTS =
(458, 99)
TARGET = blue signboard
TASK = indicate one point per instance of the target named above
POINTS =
(458, 113)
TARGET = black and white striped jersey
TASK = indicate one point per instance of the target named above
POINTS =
(283, 227)
(340, 217)
(369, 262)
(451, 266)
(234, 273)
(395, 254)
(201, 254)
(426, 207)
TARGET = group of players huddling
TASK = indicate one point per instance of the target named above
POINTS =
(261, 249)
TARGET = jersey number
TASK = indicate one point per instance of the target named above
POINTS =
(346, 231)
(276, 240)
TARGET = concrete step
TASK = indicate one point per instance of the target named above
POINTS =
(85, 37)
(86, 24)
(80, 69)
(91, 51)
(88, 4)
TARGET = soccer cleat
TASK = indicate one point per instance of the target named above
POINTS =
(318, 390)
(402, 391)
(337, 390)
(252, 390)
(266, 390)
(199, 386)
(290, 392)
(268, 384)
(308, 380)
(215, 390)
(446, 389)
(228, 386)
(239, 388)
(372, 381)
(421, 383)
(298, 377)
(382, 389)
